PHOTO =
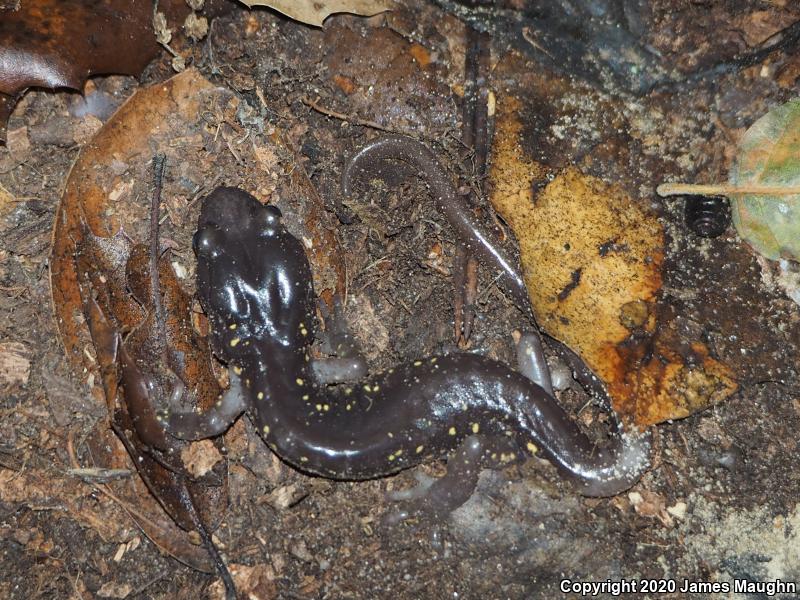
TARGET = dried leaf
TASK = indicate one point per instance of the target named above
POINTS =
(769, 155)
(375, 70)
(39, 488)
(652, 505)
(200, 457)
(591, 260)
(60, 43)
(314, 12)
(93, 276)
(255, 583)
(99, 276)
(15, 364)
(114, 590)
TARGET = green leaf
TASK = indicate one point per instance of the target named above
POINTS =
(769, 155)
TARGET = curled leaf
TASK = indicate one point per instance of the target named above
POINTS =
(314, 12)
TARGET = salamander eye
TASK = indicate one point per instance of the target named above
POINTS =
(270, 218)
(207, 242)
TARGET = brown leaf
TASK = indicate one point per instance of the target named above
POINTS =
(60, 43)
(591, 260)
(652, 505)
(314, 12)
(114, 590)
(100, 278)
(200, 457)
(15, 364)
(94, 275)
(255, 583)
(44, 489)
(377, 68)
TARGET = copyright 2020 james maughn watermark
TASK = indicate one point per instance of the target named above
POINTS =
(621, 587)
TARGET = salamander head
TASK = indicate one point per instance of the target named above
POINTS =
(253, 278)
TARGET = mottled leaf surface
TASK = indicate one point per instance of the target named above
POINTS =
(592, 259)
(769, 155)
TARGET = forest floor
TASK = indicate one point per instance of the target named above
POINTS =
(720, 502)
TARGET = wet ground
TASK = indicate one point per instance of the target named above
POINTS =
(720, 501)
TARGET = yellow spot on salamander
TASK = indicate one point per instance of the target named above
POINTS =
(451, 431)
(260, 395)
(305, 397)
(232, 326)
(417, 363)
(367, 388)
(237, 370)
(266, 429)
(348, 391)
(419, 449)
(303, 459)
(326, 407)
(376, 388)
(390, 434)
(299, 381)
(391, 457)
(433, 360)
(318, 407)
(348, 407)
(476, 427)
(303, 331)
(532, 448)
(399, 452)
(235, 341)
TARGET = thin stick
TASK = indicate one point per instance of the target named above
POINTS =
(349, 118)
(155, 287)
(679, 189)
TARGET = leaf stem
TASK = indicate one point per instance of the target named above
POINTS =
(722, 189)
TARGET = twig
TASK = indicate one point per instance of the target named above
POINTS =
(678, 189)
(474, 138)
(349, 118)
(155, 286)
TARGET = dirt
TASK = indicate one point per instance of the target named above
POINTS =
(720, 501)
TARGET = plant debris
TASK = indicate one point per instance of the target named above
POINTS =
(314, 12)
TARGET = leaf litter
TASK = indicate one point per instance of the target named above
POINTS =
(380, 558)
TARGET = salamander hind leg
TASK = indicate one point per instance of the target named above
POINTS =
(436, 498)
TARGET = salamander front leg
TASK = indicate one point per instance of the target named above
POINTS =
(346, 363)
(190, 425)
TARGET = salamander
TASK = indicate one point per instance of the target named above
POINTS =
(254, 283)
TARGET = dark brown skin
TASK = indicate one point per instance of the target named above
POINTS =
(254, 283)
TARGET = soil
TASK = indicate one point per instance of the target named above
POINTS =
(720, 501)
